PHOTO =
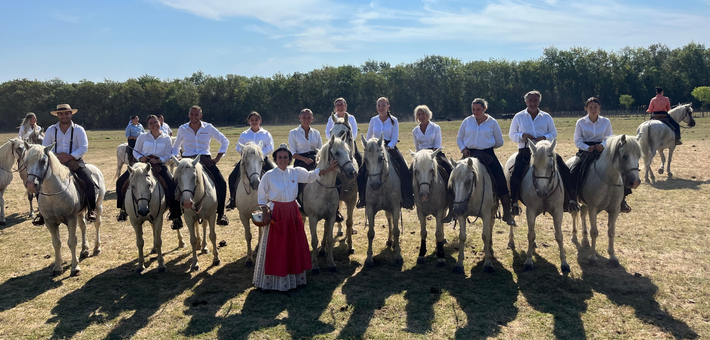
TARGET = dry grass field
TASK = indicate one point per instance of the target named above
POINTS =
(660, 291)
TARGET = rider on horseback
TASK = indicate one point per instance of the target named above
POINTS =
(659, 107)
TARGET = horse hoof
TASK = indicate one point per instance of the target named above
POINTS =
(216, 262)
(250, 264)
(399, 261)
(389, 244)
(195, 267)
(161, 270)
(140, 269)
(585, 243)
(421, 260)
(458, 270)
(97, 252)
(488, 269)
(205, 251)
(181, 245)
(565, 269)
(369, 263)
(614, 263)
(660, 171)
(592, 262)
(441, 263)
(351, 251)
(84, 254)
(315, 271)
(75, 272)
(321, 253)
(56, 273)
(154, 251)
(340, 233)
(333, 269)
(528, 267)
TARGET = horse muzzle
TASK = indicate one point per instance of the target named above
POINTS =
(692, 123)
(187, 204)
(632, 181)
(32, 185)
(460, 209)
(143, 211)
(254, 183)
(424, 196)
(375, 185)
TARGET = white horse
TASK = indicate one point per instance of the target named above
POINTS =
(473, 196)
(252, 161)
(603, 190)
(348, 193)
(654, 135)
(145, 201)
(320, 198)
(18, 151)
(383, 193)
(36, 137)
(60, 201)
(8, 155)
(429, 198)
(198, 198)
(541, 191)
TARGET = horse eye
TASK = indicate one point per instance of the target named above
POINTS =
(625, 157)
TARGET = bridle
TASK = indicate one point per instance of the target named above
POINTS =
(247, 187)
(550, 178)
(470, 193)
(196, 207)
(149, 199)
(41, 178)
(385, 163)
(340, 166)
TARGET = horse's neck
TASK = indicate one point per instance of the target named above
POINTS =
(329, 178)
(200, 188)
(604, 166)
(6, 156)
(677, 112)
(53, 183)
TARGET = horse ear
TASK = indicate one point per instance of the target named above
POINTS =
(346, 118)
(452, 162)
(412, 153)
(27, 146)
(332, 139)
(147, 167)
(381, 139)
(195, 161)
(364, 141)
(554, 143)
(623, 138)
(532, 147)
(175, 159)
(241, 146)
(47, 149)
(130, 170)
(435, 152)
(334, 117)
(470, 162)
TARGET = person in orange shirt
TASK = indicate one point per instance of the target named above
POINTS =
(659, 107)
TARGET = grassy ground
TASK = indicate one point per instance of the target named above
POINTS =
(659, 292)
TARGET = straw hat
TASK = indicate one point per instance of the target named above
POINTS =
(63, 107)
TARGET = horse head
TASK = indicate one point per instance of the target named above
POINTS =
(340, 151)
(376, 160)
(40, 162)
(683, 113)
(142, 183)
(463, 182)
(18, 148)
(425, 171)
(186, 176)
(626, 152)
(342, 129)
(252, 163)
(543, 164)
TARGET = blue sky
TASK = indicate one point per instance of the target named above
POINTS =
(117, 40)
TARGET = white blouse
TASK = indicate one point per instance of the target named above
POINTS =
(166, 129)
(474, 136)
(389, 129)
(194, 144)
(351, 120)
(523, 123)
(282, 185)
(263, 136)
(297, 142)
(431, 139)
(147, 145)
(586, 131)
(26, 134)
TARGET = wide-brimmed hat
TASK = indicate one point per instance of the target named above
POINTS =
(62, 108)
(282, 147)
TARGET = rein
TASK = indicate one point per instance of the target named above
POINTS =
(42, 178)
(468, 197)
(198, 204)
(385, 163)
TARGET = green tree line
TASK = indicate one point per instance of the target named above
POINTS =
(447, 85)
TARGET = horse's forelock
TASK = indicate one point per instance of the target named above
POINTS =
(36, 152)
(543, 148)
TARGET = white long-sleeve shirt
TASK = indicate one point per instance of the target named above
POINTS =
(165, 128)
(523, 123)
(427, 140)
(80, 142)
(25, 134)
(194, 144)
(282, 185)
(587, 131)
(147, 145)
(389, 130)
(297, 142)
(351, 120)
(263, 136)
(474, 136)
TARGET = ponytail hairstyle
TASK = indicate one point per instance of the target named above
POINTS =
(388, 110)
(659, 90)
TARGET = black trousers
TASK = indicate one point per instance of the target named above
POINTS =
(671, 121)
(173, 203)
(310, 155)
(489, 158)
(89, 189)
(234, 176)
(444, 165)
(219, 183)
(129, 150)
(405, 175)
(522, 160)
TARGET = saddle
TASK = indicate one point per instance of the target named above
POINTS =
(663, 117)
(586, 159)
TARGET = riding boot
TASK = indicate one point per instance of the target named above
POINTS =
(625, 208)
(38, 220)
(361, 186)
(233, 179)
(507, 217)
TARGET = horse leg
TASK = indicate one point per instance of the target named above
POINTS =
(213, 238)
(340, 225)
(439, 234)
(389, 226)
(593, 232)
(574, 214)
(57, 244)
(349, 228)
(158, 242)
(557, 221)
(458, 268)
(181, 241)
(369, 262)
(97, 226)
(663, 160)
(32, 209)
(2, 206)
(670, 158)
(247, 236)
(487, 236)
(324, 242)
(647, 161)
(613, 215)
(531, 215)
(313, 226)
(138, 228)
(328, 226)
(398, 260)
(84, 244)
(584, 212)
(71, 242)
(194, 241)
(423, 235)
(511, 238)
(204, 249)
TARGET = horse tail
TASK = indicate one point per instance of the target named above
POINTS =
(643, 138)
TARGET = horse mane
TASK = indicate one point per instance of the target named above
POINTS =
(423, 154)
(543, 145)
(323, 158)
(36, 152)
(687, 106)
(614, 142)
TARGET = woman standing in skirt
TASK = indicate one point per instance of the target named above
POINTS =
(283, 259)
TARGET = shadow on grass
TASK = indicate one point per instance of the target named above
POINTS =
(625, 289)
(14, 219)
(546, 290)
(303, 305)
(25, 288)
(111, 194)
(120, 290)
(678, 183)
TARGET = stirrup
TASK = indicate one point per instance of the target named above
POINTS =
(122, 216)
(510, 220)
(678, 142)
(625, 208)
(38, 220)
(515, 209)
(91, 216)
(339, 217)
(223, 220)
(573, 206)
(360, 204)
